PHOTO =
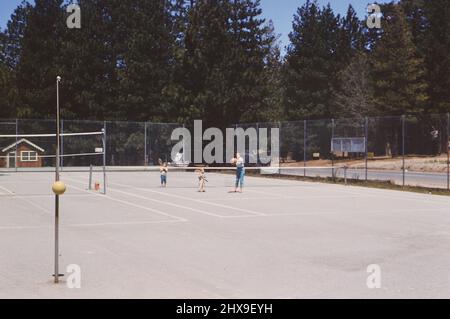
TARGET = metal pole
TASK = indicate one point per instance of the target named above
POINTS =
(305, 132)
(257, 145)
(90, 177)
(58, 79)
(62, 144)
(332, 153)
(17, 141)
(366, 135)
(184, 149)
(104, 158)
(403, 148)
(145, 145)
(279, 159)
(345, 174)
(448, 151)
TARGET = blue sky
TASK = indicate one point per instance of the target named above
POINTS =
(279, 11)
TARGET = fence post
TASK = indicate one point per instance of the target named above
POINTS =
(403, 149)
(305, 132)
(332, 153)
(62, 145)
(366, 135)
(448, 151)
(184, 149)
(104, 157)
(145, 145)
(17, 141)
(279, 153)
(258, 163)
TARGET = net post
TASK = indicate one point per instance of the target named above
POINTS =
(345, 174)
(104, 157)
(90, 177)
(366, 136)
(403, 150)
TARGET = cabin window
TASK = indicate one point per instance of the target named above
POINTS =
(28, 156)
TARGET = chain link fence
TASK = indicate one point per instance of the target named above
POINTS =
(405, 150)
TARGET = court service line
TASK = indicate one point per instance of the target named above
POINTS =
(167, 203)
(194, 200)
(157, 201)
(45, 210)
(127, 203)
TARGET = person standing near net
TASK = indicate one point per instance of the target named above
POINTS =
(201, 180)
(240, 172)
(163, 169)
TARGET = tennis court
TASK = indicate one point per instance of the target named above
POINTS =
(278, 239)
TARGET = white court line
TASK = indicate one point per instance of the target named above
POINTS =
(52, 195)
(283, 197)
(126, 223)
(313, 196)
(368, 192)
(23, 198)
(401, 195)
(48, 212)
(157, 201)
(137, 223)
(92, 225)
(423, 210)
(7, 191)
(128, 203)
(194, 200)
(167, 203)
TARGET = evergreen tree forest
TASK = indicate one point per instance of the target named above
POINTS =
(221, 61)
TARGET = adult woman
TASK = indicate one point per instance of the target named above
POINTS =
(240, 172)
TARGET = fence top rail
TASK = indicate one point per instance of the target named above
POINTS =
(52, 135)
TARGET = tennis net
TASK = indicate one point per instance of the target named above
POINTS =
(38, 151)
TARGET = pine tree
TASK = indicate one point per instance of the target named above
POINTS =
(11, 41)
(148, 55)
(40, 51)
(355, 98)
(272, 110)
(311, 63)
(7, 91)
(398, 72)
(222, 75)
(351, 37)
(437, 54)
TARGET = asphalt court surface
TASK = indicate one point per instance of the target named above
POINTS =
(278, 239)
